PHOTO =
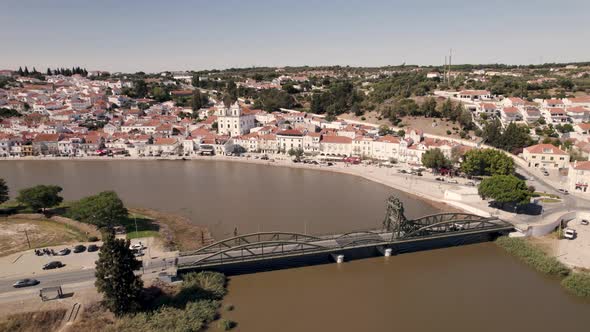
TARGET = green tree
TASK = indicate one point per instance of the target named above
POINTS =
(505, 189)
(40, 197)
(487, 162)
(197, 100)
(514, 138)
(447, 109)
(140, 89)
(297, 153)
(115, 278)
(3, 191)
(435, 159)
(103, 210)
(428, 108)
(384, 130)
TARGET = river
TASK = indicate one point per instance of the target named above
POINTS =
(471, 288)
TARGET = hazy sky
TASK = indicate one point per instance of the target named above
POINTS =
(133, 35)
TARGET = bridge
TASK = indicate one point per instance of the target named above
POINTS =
(269, 250)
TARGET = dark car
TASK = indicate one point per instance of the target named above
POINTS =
(63, 252)
(92, 247)
(79, 248)
(25, 283)
(53, 265)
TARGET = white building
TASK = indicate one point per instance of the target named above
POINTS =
(546, 156)
(579, 177)
(233, 121)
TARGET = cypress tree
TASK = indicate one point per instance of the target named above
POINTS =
(115, 278)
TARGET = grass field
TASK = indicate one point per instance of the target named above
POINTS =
(49, 320)
(41, 233)
(146, 226)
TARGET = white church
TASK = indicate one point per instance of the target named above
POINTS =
(233, 121)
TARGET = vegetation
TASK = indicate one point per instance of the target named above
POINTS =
(435, 159)
(339, 98)
(115, 278)
(8, 113)
(3, 191)
(533, 256)
(513, 139)
(40, 197)
(46, 320)
(102, 210)
(272, 100)
(41, 233)
(487, 162)
(188, 307)
(505, 189)
(578, 283)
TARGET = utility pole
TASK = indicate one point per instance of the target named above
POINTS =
(27, 236)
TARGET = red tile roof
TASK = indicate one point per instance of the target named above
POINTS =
(545, 149)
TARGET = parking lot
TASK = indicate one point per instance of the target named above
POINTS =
(577, 251)
(27, 264)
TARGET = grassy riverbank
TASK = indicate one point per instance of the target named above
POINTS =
(577, 283)
(191, 306)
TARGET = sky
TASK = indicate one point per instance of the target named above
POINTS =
(153, 36)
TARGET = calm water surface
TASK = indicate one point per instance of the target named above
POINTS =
(471, 288)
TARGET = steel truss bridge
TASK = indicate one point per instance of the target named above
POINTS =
(275, 245)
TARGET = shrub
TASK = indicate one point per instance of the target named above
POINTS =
(363, 118)
(449, 132)
(533, 256)
(225, 324)
(229, 307)
(578, 284)
(92, 239)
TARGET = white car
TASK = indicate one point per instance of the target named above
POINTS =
(137, 246)
(453, 181)
(569, 233)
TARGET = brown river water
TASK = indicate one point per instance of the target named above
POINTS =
(470, 288)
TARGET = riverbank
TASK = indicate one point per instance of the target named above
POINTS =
(575, 281)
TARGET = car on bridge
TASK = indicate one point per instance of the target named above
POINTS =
(26, 283)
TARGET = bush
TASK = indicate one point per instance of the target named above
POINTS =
(578, 284)
(229, 307)
(449, 132)
(226, 324)
(533, 256)
(363, 118)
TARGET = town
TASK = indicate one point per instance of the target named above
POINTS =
(73, 113)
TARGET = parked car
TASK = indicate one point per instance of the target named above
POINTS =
(452, 181)
(136, 246)
(440, 179)
(584, 222)
(79, 248)
(563, 191)
(569, 233)
(63, 252)
(53, 265)
(471, 184)
(92, 248)
(25, 283)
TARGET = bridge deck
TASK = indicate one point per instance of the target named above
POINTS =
(269, 245)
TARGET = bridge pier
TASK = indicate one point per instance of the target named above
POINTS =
(387, 252)
(338, 258)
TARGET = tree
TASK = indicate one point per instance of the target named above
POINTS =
(487, 162)
(384, 130)
(435, 159)
(40, 197)
(428, 108)
(297, 153)
(514, 138)
(103, 210)
(3, 191)
(505, 189)
(115, 278)
(196, 101)
(446, 109)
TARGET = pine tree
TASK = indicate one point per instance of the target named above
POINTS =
(48, 71)
(115, 278)
(26, 71)
(20, 71)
